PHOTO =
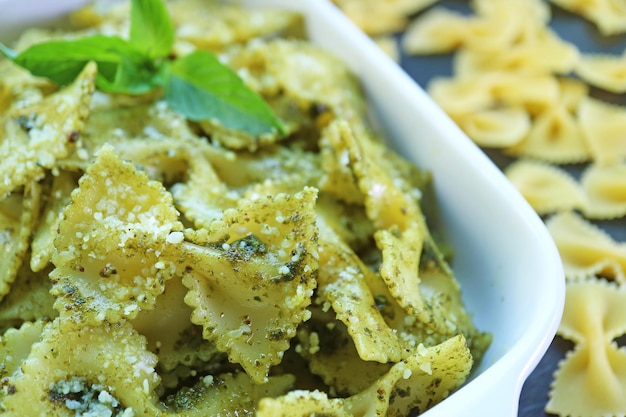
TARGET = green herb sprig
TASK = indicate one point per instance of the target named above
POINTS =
(196, 85)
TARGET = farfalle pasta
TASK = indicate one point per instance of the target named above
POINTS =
(590, 381)
(586, 251)
(157, 266)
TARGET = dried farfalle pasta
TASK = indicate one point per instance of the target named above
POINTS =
(555, 136)
(604, 71)
(604, 127)
(608, 15)
(108, 263)
(496, 128)
(586, 250)
(438, 30)
(546, 188)
(377, 17)
(605, 191)
(591, 380)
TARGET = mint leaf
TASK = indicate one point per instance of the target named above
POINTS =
(61, 61)
(151, 30)
(201, 88)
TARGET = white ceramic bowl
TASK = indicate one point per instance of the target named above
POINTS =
(506, 262)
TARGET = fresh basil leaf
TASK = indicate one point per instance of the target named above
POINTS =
(62, 60)
(151, 30)
(132, 76)
(201, 88)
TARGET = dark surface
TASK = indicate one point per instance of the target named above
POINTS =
(583, 34)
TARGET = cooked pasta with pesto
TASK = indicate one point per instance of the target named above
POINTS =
(239, 245)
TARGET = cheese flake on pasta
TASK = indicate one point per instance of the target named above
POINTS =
(111, 238)
(252, 280)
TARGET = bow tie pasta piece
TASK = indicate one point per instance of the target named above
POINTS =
(542, 53)
(64, 373)
(555, 136)
(604, 71)
(137, 130)
(585, 249)
(109, 263)
(605, 188)
(42, 245)
(591, 380)
(169, 331)
(437, 30)
(18, 216)
(250, 283)
(15, 346)
(342, 283)
(546, 188)
(604, 126)
(225, 395)
(330, 354)
(421, 381)
(495, 128)
(203, 196)
(608, 15)
(34, 137)
(29, 298)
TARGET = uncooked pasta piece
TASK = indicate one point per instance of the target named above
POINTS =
(252, 279)
(64, 374)
(496, 128)
(389, 45)
(34, 137)
(604, 71)
(605, 189)
(546, 188)
(543, 53)
(438, 30)
(533, 92)
(18, 214)
(227, 394)
(555, 136)
(585, 249)
(604, 126)
(591, 380)
(108, 260)
(461, 95)
(377, 17)
(608, 15)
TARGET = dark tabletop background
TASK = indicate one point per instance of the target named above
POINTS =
(586, 37)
